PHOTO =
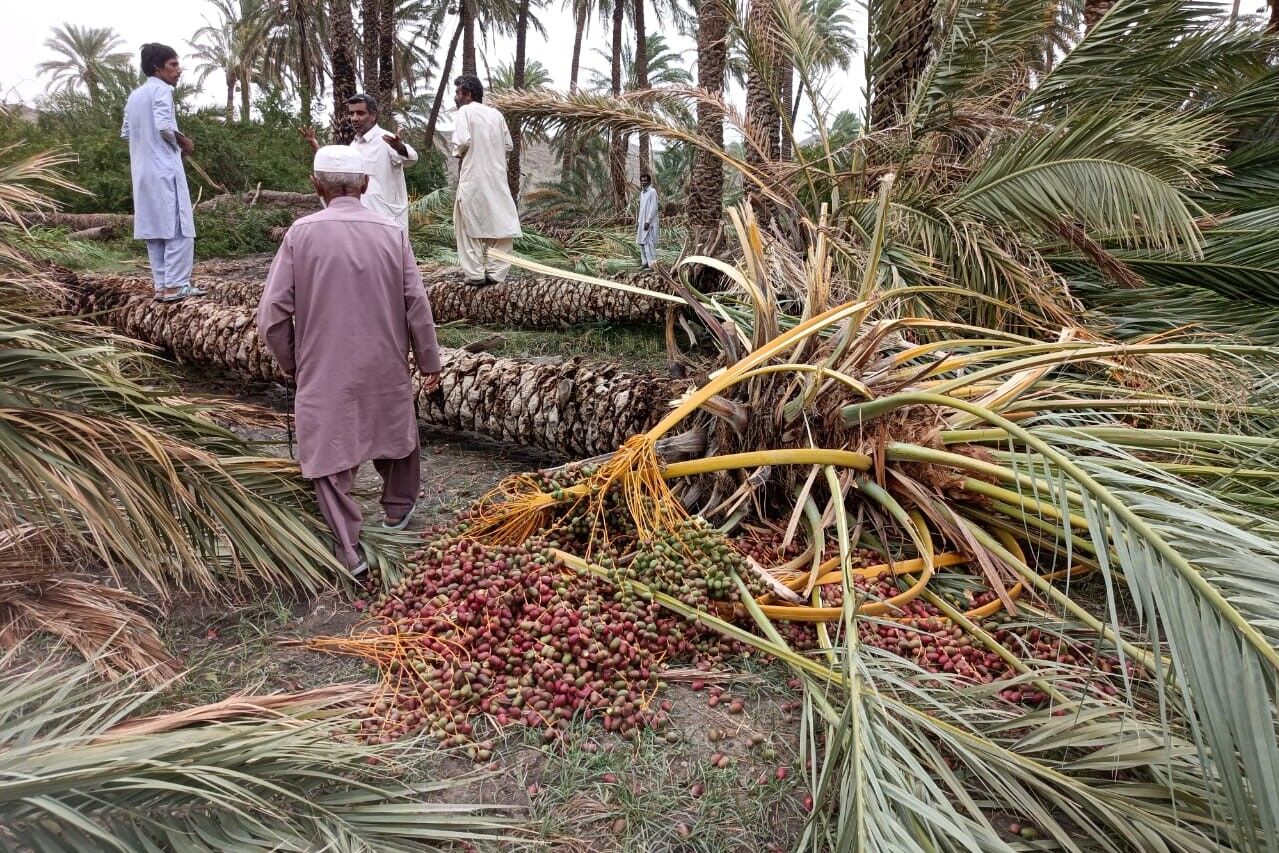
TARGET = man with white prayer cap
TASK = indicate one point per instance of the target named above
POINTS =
(342, 308)
(484, 214)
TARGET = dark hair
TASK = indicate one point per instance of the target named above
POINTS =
(154, 55)
(644, 175)
(470, 83)
(369, 102)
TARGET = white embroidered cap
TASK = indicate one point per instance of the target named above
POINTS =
(339, 158)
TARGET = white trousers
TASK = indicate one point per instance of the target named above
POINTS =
(473, 254)
(172, 259)
(648, 253)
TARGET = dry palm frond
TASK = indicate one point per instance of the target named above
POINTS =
(245, 706)
(104, 624)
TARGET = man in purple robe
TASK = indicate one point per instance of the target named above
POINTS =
(343, 304)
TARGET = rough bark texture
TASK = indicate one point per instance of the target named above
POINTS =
(513, 122)
(1095, 10)
(900, 47)
(386, 60)
(763, 121)
(706, 194)
(342, 55)
(445, 74)
(570, 135)
(369, 42)
(1274, 16)
(468, 37)
(306, 73)
(520, 303)
(641, 78)
(300, 204)
(569, 408)
(617, 140)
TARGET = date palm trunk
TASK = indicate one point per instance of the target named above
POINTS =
(369, 42)
(617, 140)
(571, 409)
(342, 51)
(468, 37)
(230, 96)
(445, 74)
(512, 121)
(641, 77)
(763, 121)
(1095, 10)
(386, 59)
(570, 135)
(706, 195)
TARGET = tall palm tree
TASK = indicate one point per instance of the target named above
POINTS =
(297, 44)
(214, 51)
(387, 30)
(466, 11)
(369, 36)
(446, 74)
(641, 76)
(763, 90)
(618, 139)
(898, 49)
(518, 81)
(706, 192)
(342, 59)
(90, 60)
(583, 11)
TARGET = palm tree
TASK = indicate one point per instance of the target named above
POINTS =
(898, 49)
(369, 36)
(618, 140)
(518, 82)
(214, 51)
(446, 75)
(641, 76)
(706, 191)
(763, 90)
(90, 60)
(297, 44)
(466, 11)
(1095, 10)
(342, 58)
(387, 41)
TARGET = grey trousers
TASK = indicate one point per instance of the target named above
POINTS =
(401, 480)
(171, 259)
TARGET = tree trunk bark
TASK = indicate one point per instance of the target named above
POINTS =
(570, 136)
(342, 50)
(706, 193)
(369, 43)
(617, 141)
(900, 49)
(570, 408)
(763, 122)
(230, 97)
(386, 60)
(513, 122)
(244, 97)
(786, 125)
(1095, 10)
(445, 73)
(1274, 16)
(468, 37)
(641, 77)
(305, 82)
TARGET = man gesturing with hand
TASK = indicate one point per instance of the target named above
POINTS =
(342, 308)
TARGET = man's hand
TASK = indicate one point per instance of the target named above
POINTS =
(396, 143)
(431, 382)
(645, 226)
(186, 143)
(308, 133)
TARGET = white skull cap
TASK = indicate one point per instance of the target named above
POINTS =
(339, 158)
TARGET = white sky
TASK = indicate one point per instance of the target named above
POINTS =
(28, 24)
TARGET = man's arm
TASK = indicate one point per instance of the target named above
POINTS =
(308, 133)
(166, 120)
(417, 307)
(461, 134)
(275, 311)
(402, 154)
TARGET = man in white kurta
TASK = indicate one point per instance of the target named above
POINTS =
(484, 214)
(385, 156)
(646, 223)
(162, 213)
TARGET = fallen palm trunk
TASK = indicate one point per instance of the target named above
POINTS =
(299, 204)
(569, 408)
(541, 302)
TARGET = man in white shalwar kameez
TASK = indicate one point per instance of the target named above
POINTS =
(484, 214)
(646, 223)
(386, 155)
(162, 213)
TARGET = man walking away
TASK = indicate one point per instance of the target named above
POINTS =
(161, 200)
(646, 223)
(343, 304)
(484, 215)
(385, 157)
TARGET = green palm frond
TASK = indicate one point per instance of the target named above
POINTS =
(79, 770)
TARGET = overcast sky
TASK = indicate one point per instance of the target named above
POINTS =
(28, 24)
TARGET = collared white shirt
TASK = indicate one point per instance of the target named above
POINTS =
(387, 193)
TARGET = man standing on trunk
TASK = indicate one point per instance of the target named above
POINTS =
(484, 214)
(646, 223)
(161, 200)
(343, 304)
(385, 157)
